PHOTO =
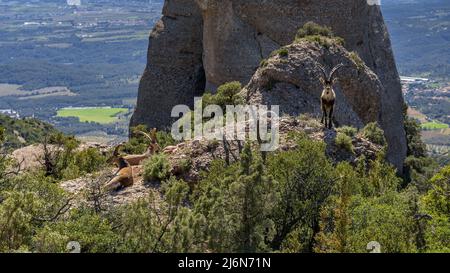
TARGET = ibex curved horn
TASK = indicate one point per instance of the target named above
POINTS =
(116, 150)
(151, 136)
(144, 134)
(324, 72)
(334, 70)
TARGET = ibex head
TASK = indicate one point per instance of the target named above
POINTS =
(115, 158)
(152, 136)
(329, 79)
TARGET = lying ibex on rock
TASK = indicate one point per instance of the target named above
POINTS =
(124, 176)
(328, 98)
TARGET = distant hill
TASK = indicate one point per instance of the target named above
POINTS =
(420, 32)
(22, 132)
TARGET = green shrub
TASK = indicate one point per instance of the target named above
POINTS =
(374, 133)
(315, 33)
(263, 63)
(416, 146)
(22, 132)
(282, 52)
(311, 29)
(185, 165)
(343, 141)
(348, 130)
(94, 233)
(156, 167)
(356, 59)
(227, 94)
(2, 134)
(160, 224)
(90, 160)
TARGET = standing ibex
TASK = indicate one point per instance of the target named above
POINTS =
(328, 98)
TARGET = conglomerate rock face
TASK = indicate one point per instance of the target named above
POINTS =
(201, 44)
(292, 81)
(174, 72)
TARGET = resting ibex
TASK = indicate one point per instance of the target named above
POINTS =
(124, 176)
(328, 98)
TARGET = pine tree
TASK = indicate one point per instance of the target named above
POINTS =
(236, 201)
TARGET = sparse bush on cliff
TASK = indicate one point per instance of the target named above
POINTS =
(343, 141)
(236, 202)
(374, 133)
(263, 63)
(304, 178)
(437, 203)
(156, 167)
(227, 94)
(348, 130)
(315, 33)
(282, 52)
(356, 59)
(311, 28)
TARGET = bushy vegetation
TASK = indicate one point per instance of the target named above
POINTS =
(374, 133)
(344, 142)
(227, 94)
(419, 167)
(293, 201)
(348, 131)
(282, 52)
(160, 225)
(313, 32)
(62, 160)
(21, 132)
(157, 167)
(264, 63)
(437, 204)
(354, 56)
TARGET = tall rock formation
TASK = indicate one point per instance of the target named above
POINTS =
(174, 72)
(200, 44)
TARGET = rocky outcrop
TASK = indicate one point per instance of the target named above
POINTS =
(174, 72)
(201, 44)
(201, 153)
(292, 81)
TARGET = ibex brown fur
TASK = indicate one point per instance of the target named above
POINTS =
(124, 176)
(328, 98)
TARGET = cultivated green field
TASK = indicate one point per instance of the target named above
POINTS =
(99, 115)
(435, 125)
